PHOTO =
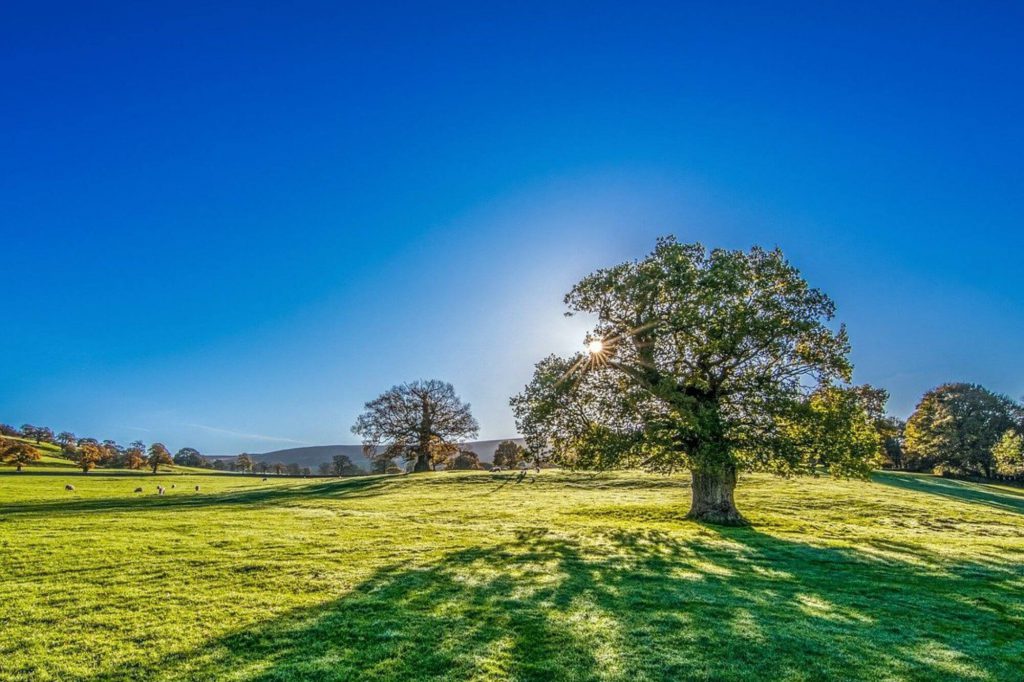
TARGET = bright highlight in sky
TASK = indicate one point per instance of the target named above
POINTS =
(596, 347)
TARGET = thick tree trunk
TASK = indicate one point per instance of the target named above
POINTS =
(422, 463)
(713, 497)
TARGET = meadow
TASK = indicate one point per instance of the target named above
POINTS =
(568, 576)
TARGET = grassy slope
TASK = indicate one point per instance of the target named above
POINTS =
(53, 459)
(472, 576)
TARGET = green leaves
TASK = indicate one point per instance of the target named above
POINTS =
(711, 359)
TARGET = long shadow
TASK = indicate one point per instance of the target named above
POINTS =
(731, 604)
(361, 486)
(963, 491)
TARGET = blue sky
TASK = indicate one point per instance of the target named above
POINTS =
(228, 226)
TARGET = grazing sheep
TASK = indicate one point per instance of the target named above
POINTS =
(159, 490)
(495, 470)
(138, 490)
(264, 478)
(173, 486)
(69, 487)
(197, 488)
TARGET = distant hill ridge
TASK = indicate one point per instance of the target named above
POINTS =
(313, 455)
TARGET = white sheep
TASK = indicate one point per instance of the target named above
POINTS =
(159, 490)
(69, 487)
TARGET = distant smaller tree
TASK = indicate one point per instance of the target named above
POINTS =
(190, 457)
(159, 455)
(293, 469)
(219, 465)
(17, 452)
(28, 431)
(66, 440)
(264, 467)
(1008, 455)
(244, 462)
(134, 455)
(465, 460)
(278, 468)
(342, 465)
(111, 452)
(8, 430)
(508, 454)
(88, 455)
(43, 435)
(325, 468)
(306, 471)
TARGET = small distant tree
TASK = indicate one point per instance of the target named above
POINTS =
(956, 426)
(342, 465)
(112, 453)
(278, 468)
(43, 435)
(1008, 455)
(306, 471)
(66, 440)
(219, 465)
(442, 453)
(8, 430)
(17, 452)
(465, 460)
(325, 468)
(158, 455)
(293, 469)
(88, 455)
(135, 455)
(508, 454)
(417, 421)
(244, 462)
(190, 457)
(28, 431)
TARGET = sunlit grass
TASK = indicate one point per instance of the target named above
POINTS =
(473, 576)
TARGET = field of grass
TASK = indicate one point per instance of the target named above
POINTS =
(53, 459)
(474, 576)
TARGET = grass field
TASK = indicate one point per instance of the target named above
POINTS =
(473, 576)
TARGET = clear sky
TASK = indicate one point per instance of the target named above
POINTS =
(229, 226)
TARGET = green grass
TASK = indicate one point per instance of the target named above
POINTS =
(52, 457)
(469, 576)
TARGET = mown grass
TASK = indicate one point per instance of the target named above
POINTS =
(473, 576)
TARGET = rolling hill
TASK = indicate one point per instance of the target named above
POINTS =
(314, 455)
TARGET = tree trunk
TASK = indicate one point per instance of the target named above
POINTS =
(422, 463)
(19, 466)
(713, 497)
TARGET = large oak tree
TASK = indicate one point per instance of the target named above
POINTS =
(421, 421)
(714, 362)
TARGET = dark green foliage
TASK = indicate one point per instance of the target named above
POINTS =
(508, 454)
(466, 460)
(706, 361)
(955, 428)
(342, 465)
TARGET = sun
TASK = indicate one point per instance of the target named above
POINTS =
(596, 347)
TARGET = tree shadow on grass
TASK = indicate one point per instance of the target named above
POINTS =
(360, 486)
(964, 491)
(730, 604)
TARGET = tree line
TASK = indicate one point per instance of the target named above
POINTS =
(715, 362)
